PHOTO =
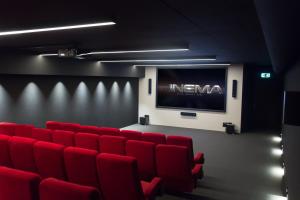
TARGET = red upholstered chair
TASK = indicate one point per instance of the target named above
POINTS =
(157, 138)
(131, 135)
(18, 185)
(112, 144)
(42, 134)
(69, 126)
(21, 153)
(109, 131)
(144, 152)
(53, 189)
(63, 137)
(53, 125)
(87, 141)
(7, 128)
(4, 151)
(187, 142)
(174, 166)
(49, 159)
(81, 166)
(119, 179)
(24, 130)
(90, 129)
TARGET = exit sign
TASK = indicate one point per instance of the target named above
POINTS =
(265, 75)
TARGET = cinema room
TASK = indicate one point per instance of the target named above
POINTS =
(149, 100)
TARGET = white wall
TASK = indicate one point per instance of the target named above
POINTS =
(204, 120)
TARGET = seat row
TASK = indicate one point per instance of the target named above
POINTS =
(170, 162)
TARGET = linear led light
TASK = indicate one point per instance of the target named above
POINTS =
(184, 65)
(158, 60)
(59, 28)
(133, 51)
(48, 54)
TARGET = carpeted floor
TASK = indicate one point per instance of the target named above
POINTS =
(237, 167)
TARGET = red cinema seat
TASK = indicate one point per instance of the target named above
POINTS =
(70, 126)
(18, 185)
(4, 151)
(109, 131)
(87, 141)
(174, 166)
(21, 153)
(53, 189)
(157, 138)
(112, 144)
(90, 129)
(81, 166)
(7, 128)
(144, 152)
(24, 130)
(63, 137)
(131, 135)
(53, 125)
(119, 179)
(42, 134)
(187, 142)
(49, 158)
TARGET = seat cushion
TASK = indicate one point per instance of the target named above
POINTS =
(63, 137)
(42, 134)
(24, 130)
(157, 138)
(131, 135)
(112, 144)
(87, 140)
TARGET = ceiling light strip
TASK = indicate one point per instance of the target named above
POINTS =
(134, 51)
(48, 54)
(59, 28)
(185, 65)
(158, 60)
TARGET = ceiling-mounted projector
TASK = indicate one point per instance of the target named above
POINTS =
(67, 53)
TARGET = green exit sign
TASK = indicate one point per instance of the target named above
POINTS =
(265, 75)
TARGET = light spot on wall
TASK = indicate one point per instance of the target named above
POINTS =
(81, 101)
(277, 171)
(277, 152)
(100, 94)
(30, 102)
(59, 100)
(5, 102)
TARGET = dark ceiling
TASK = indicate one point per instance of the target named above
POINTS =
(229, 30)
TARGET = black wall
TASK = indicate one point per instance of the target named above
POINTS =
(87, 100)
(291, 139)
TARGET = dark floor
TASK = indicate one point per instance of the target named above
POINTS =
(237, 167)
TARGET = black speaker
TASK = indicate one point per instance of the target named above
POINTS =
(234, 88)
(149, 86)
(188, 114)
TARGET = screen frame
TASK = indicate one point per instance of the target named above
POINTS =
(196, 109)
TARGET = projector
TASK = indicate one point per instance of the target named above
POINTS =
(67, 53)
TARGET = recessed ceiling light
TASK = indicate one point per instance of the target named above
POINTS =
(133, 51)
(59, 28)
(158, 60)
(185, 65)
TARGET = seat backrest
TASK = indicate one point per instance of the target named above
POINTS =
(53, 189)
(63, 137)
(49, 159)
(90, 129)
(112, 144)
(4, 151)
(131, 135)
(7, 128)
(87, 141)
(119, 177)
(81, 166)
(173, 162)
(53, 125)
(109, 131)
(21, 153)
(182, 141)
(144, 152)
(42, 134)
(18, 185)
(66, 126)
(157, 138)
(24, 130)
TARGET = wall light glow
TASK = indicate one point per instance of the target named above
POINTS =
(58, 28)
(277, 152)
(276, 197)
(277, 172)
(277, 139)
